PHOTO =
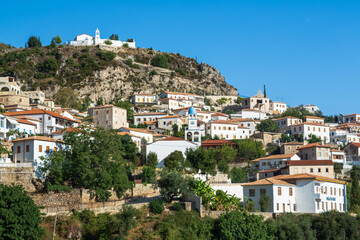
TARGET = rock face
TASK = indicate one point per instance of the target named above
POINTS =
(110, 73)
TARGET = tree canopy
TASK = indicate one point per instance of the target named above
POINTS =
(98, 160)
(267, 125)
(33, 42)
(173, 184)
(19, 216)
(175, 161)
(67, 98)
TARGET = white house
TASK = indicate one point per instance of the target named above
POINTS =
(351, 118)
(306, 129)
(314, 151)
(274, 161)
(87, 40)
(219, 116)
(300, 193)
(227, 130)
(146, 117)
(31, 149)
(287, 121)
(247, 123)
(50, 121)
(338, 156)
(139, 132)
(311, 108)
(195, 99)
(167, 122)
(194, 131)
(204, 116)
(172, 103)
(257, 102)
(314, 119)
(22, 124)
(168, 145)
(278, 107)
(143, 99)
(250, 113)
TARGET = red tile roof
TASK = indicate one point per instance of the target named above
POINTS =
(317, 144)
(40, 138)
(310, 123)
(278, 156)
(149, 113)
(26, 122)
(309, 162)
(39, 111)
(69, 129)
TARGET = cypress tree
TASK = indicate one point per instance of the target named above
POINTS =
(355, 191)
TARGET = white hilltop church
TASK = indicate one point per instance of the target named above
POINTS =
(87, 40)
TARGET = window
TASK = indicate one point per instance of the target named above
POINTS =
(55, 149)
(311, 170)
(277, 206)
(319, 170)
(27, 148)
(262, 191)
(279, 191)
(252, 192)
(294, 207)
(327, 170)
(18, 149)
(325, 190)
(330, 190)
(327, 206)
(49, 118)
(331, 206)
(318, 205)
(47, 149)
(40, 148)
(340, 207)
(290, 191)
(339, 191)
(322, 206)
(317, 189)
(97, 112)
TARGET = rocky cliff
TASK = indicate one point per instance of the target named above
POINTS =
(110, 73)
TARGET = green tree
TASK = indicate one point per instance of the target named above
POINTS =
(289, 226)
(238, 175)
(67, 98)
(175, 128)
(298, 112)
(227, 153)
(355, 190)
(264, 202)
(160, 60)
(19, 216)
(268, 125)
(241, 225)
(57, 39)
(98, 161)
(175, 161)
(173, 184)
(33, 42)
(152, 160)
(108, 42)
(114, 37)
(124, 221)
(336, 225)
(200, 159)
(249, 149)
(314, 139)
(148, 174)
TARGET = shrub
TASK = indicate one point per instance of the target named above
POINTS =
(264, 202)
(148, 174)
(156, 206)
(108, 42)
(126, 45)
(160, 60)
(181, 72)
(106, 55)
(152, 73)
(178, 206)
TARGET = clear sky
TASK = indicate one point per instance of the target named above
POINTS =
(306, 52)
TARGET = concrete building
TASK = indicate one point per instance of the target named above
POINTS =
(35, 96)
(311, 108)
(278, 107)
(307, 129)
(14, 100)
(50, 121)
(247, 123)
(9, 84)
(219, 116)
(87, 40)
(290, 147)
(109, 116)
(338, 156)
(257, 102)
(227, 130)
(323, 168)
(143, 99)
(167, 122)
(139, 132)
(352, 152)
(287, 121)
(351, 118)
(140, 118)
(299, 193)
(168, 145)
(273, 161)
(196, 100)
(249, 113)
(31, 149)
(314, 119)
(314, 151)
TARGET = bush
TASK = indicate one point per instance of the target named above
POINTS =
(148, 174)
(152, 73)
(264, 202)
(151, 160)
(181, 72)
(156, 206)
(160, 60)
(126, 45)
(173, 184)
(238, 175)
(108, 42)
(106, 55)
(178, 206)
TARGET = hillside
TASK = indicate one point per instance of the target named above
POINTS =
(100, 73)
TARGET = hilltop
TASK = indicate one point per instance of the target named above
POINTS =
(109, 73)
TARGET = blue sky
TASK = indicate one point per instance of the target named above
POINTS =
(306, 52)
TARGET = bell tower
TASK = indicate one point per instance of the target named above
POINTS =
(97, 36)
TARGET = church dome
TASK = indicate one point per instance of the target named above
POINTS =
(192, 111)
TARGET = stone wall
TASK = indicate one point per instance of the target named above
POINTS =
(19, 176)
(81, 199)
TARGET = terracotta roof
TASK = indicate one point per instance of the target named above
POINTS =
(314, 117)
(107, 106)
(126, 133)
(351, 114)
(278, 156)
(26, 122)
(293, 143)
(165, 99)
(137, 130)
(355, 144)
(242, 120)
(171, 116)
(28, 118)
(285, 118)
(216, 142)
(270, 170)
(268, 181)
(336, 150)
(69, 129)
(310, 123)
(219, 114)
(224, 122)
(150, 113)
(307, 176)
(309, 162)
(40, 138)
(39, 111)
(317, 144)
(150, 122)
(143, 94)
